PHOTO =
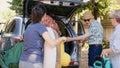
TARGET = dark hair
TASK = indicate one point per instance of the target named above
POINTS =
(38, 12)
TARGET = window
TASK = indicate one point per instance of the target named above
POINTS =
(10, 26)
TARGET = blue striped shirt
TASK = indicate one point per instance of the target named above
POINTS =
(96, 30)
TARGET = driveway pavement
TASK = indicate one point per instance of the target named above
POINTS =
(84, 58)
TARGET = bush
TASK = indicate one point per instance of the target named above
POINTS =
(105, 44)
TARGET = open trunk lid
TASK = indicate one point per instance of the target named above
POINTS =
(61, 8)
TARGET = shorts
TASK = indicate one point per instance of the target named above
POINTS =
(23, 64)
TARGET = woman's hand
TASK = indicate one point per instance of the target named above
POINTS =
(64, 39)
(21, 38)
(105, 53)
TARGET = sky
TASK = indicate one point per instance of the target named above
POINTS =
(4, 6)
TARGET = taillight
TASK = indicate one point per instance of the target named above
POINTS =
(73, 63)
(16, 40)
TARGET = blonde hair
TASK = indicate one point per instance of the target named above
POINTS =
(87, 14)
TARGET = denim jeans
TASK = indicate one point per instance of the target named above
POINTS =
(90, 67)
(93, 51)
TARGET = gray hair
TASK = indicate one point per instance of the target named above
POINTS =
(115, 14)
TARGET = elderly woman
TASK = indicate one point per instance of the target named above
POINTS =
(114, 51)
(50, 53)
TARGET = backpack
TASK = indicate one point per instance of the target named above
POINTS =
(102, 62)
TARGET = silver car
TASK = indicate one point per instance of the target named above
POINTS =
(14, 29)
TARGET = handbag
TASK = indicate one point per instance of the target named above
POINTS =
(102, 62)
(64, 57)
(11, 57)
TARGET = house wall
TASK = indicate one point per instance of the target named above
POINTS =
(107, 32)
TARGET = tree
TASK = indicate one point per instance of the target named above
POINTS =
(99, 8)
(17, 5)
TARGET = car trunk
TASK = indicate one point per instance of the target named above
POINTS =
(61, 8)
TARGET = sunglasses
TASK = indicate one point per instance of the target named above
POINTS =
(86, 20)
